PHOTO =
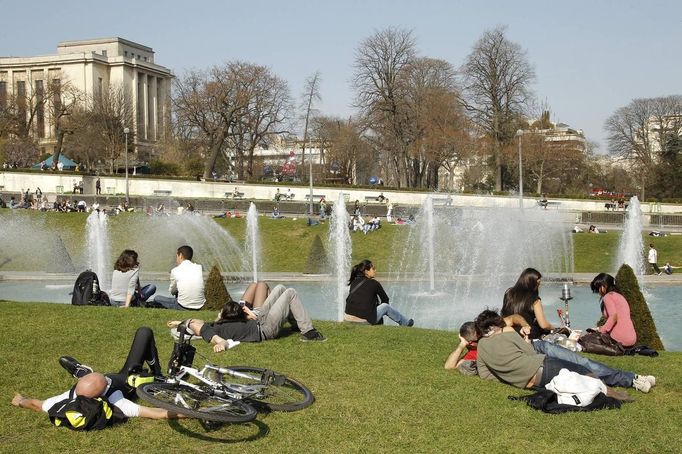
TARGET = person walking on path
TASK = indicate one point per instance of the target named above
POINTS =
(653, 259)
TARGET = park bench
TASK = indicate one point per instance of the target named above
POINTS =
(547, 203)
(442, 201)
(162, 192)
(316, 197)
(375, 198)
(284, 196)
(234, 195)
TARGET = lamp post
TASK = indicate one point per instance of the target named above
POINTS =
(126, 131)
(310, 162)
(519, 133)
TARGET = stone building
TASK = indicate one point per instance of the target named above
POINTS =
(93, 66)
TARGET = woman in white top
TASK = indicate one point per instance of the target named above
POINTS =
(125, 282)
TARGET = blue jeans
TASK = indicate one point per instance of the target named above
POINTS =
(393, 314)
(139, 298)
(611, 377)
(169, 302)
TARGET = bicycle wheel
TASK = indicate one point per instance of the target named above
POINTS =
(196, 404)
(281, 393)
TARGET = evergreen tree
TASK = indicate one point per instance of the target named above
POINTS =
(626, 281)
(318, 262)
(215, 290)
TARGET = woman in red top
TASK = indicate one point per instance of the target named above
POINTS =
(615, 310)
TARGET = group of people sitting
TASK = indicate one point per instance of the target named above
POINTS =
(261, 315)
(358, 224)
(508, 346)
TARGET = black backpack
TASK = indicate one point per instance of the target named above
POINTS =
(85, 413)
(86, 291)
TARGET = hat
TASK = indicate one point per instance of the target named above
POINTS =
(571, 388)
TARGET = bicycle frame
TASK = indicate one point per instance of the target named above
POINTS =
(232, 390)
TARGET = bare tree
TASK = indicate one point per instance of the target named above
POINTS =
(436, 120)
(311, 95)
(638, 132)
(96, 130)
(348, 153)
(24, 116)
(380, 93)
(496, 89)
(207, 107)
(231, 109)
(267, 112)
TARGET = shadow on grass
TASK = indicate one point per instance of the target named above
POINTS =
(236, 433)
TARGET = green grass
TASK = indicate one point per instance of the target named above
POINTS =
(286, 243)
(377, 389)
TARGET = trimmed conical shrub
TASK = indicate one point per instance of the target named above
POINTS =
(318, 262)
(215, 290)
(626, 281)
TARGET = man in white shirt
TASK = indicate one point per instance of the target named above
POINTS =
(113, 387)
(653, 259)
(186, 283)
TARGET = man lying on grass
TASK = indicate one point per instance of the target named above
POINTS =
(237, 322)
(494, 324)
(115, 388)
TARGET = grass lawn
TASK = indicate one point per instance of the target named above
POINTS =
(286, 243)
(378, 389)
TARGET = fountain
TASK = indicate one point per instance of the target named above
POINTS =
(252, 240)
(631, 247)
(339, 239)
(32, 244)
(469, 256)
(428, 239)
(98, 250)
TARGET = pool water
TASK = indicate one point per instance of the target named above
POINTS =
(437, 311)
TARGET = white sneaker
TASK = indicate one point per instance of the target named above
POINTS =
(650, 378)
(640, 383)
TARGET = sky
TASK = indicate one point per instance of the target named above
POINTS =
(590, 57)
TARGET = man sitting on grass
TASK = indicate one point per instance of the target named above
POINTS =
(114, 387)
(469, 338)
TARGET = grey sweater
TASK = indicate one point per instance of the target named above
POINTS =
(507, 357)
(123, 284)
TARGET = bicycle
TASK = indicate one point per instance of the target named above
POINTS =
(222, 394)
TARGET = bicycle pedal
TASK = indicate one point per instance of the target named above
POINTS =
(270, 377)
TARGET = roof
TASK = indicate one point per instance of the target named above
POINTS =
(63, 159)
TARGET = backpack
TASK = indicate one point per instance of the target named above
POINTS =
(86, 291)
(85, 413)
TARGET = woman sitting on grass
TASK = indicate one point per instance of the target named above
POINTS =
(615, 309)
(125, 282)
(523, 299)
(362, 304)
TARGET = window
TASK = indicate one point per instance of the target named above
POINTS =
(104, 53)
(21, 102)
(125, 53)
(40, 108)
(3, 94)
(57, 96)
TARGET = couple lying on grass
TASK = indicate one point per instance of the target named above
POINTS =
(260, 315)
(495, 350)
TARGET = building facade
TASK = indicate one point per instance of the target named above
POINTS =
(93, 67)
